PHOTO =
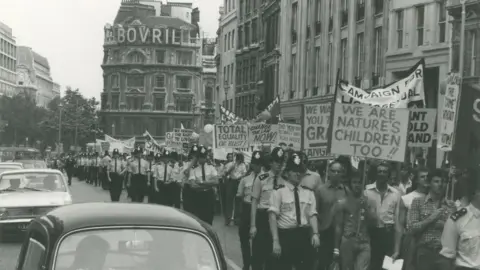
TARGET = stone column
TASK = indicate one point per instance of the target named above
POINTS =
(123, 89)
(107, 79)
(149, 80)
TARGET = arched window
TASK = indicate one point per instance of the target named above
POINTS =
(136, 57)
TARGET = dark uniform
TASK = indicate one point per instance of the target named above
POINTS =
(138, 169)
(173, 187)
(69, 168)
(262, 191)
(244, 194)
(103, 170)
(151, 188)
(114, 176)
(202, 180)
(187, 190)
(162, 175)
(293, 220)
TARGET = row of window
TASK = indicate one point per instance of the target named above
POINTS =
(247, 71)
(8, 62)
(248, 6)
(229, 41)
(159, 103)
(138, 81)
(248, 34)
(136, 125)
(244, 106)
(8, 75)
(8, 48)
(179, 57)
(229, 5)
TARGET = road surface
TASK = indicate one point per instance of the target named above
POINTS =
(83, 192)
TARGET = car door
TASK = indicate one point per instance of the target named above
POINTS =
(34, 251)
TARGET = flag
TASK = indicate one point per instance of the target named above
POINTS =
(274, 110)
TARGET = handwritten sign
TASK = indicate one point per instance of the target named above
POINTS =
(290, 134)
(421, 127)
(231, 136)
(171, 141)
(260, 134)
(315, 128)
(370, 132)
(448, 114)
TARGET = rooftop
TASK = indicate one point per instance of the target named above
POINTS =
(6, 30)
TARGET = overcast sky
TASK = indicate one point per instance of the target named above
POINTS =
(70, 34)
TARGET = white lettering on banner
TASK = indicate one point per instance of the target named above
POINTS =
(231, 136)
(399, 94)
(182, 137)
(171, 140)
(447, 117)
(370, 132)
(260, 134)
(315, 130)
(421, 127)
(290, 134)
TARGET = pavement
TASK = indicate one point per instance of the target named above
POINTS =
(83, 192)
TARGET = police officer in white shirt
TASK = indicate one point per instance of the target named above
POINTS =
(138, 177)
(151, 189)
(113, 173)
(173, 187)
(202, 181)
(293, 220)
(162, 175)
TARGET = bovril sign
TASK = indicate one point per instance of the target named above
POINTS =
(136, 35)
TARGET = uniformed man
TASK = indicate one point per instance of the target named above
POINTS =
(244, 194)
(125, 172)
(69, 168)
(103, 168)
(202, 180)
(293, 219)
(90, 168)
(151, 189)
(173, 187)
(81, 167)
(162, 175)
(95, 164)
(137, 181)
(187, 190)
(113, 173)
(259, 225)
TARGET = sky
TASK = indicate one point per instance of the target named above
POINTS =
(69, 33)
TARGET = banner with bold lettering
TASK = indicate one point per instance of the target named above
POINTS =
(290, 134)
(421, 127)
(405, 93)
(316, 119)
(260, 133)
(231, 136)
(448, 114)
(364, 131)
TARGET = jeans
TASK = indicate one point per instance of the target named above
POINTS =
(354, 254)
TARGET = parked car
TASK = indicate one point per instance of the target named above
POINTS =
(9, 166)
(29, 193)
(120, 236)
(33, 164)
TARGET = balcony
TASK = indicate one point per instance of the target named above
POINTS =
(318, 28)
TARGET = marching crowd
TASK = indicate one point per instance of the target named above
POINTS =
(291, 214)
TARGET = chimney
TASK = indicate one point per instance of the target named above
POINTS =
(195, 16)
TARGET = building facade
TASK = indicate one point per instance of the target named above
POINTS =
(8, 61)
(320, 37)
(152, 71)
(248, 58)
(34, 76)
(226, 53)
(209, 81)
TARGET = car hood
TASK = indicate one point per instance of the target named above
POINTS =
(34, 198)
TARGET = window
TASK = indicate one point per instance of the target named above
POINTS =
(360, 52)
(317, 70)
(178, 36)
(115, 102)
(135, 80)
(232, 68)
(159, 104)
(378, 6)
(246, 77)
(330, 16)
(254, 31)
(242, 12)
(160, 81)
(185, 36)
(227, 40)
(377, 54)
(136, 58)
(344, 58)
(307, 71)
(294, 76)
(360, 10)
(329, 67)
(344, 14)
(420, 24)
(115, 82)
(135, 102)
(239, 74)
(183, 105)
(34, 255)
(232, 41)
(471, 53)
(225, 74)
(247, 35)
(442, 22)
(240, 38)
(184, 58)
(294, 22)
(161, 127)
(253, 70)
(318, 17)
(400, 29)
(160, 54)
(309, 6)
(208, 95)
(184, 82)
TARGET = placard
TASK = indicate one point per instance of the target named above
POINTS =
(448, 114)
(231, 136)
(260, 134)
(421, 127)
(290, 134)
(369, 132)
(171, 141)
(316, 119)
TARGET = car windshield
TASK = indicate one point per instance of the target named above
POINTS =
(9, 168)
(136, 249)
(34, 165)
(32, 181)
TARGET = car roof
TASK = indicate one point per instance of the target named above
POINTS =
(11, 164)
(32, 171)
(31, 160)
(85, 215)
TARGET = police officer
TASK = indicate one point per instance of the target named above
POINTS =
(293, 219)
(81, 167)
(163, 175)
(69, 168)
(151, 188)
(126, 159)
(187, 190)
(173, 187)
(113, 173)
(95, 164)
(244, 193)
(104, 163)
(260, 228)
(137, 181)
(202, 181)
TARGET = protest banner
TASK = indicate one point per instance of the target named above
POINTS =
(172, 141)
(290, 134)
(316, 119)
(448, 114)
(421, 127)
(260, 133)
(370, 132)
(231, 136)
(403, 93)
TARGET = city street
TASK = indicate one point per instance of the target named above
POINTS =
(83, 192)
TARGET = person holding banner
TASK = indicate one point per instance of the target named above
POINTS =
(138, 176)
(244, 194)
(114, 178)
(293, 220)
(202, 180)
(233, 174)
(259, 225)
(162, 175)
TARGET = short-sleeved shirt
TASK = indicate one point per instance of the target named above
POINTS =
(263, 189)
(282, 203)
(115, 165)
(386, 207)
(177, 173)
(327, 197)
(245, 187)
(196, 173)
(134, 166)
(105, 161)
(461, 238)
(159, 172)
(239, 170)
(311, 180)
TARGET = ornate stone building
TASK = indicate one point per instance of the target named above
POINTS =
(152, 71)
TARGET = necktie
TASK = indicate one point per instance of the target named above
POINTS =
(297, 206)
(115, 165)
(165, 172)
(275, 182)
(139, 166)
(203, 172)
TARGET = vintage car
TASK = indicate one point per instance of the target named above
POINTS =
(120, 236)
(28, 193)
(33, 164)
(9, 166)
